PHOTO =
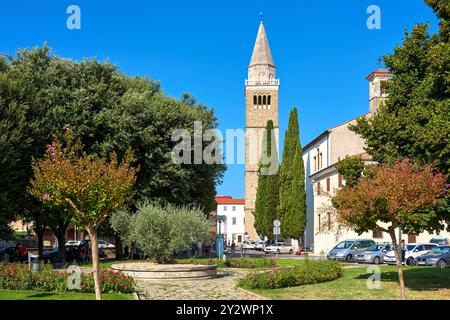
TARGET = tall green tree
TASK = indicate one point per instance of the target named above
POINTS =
(267, 192)
(41, 93)
(414, 123)
(292, 199)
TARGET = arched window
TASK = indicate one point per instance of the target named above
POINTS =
(264, 100)
(259, 101)
(255, 102)
(269, 102)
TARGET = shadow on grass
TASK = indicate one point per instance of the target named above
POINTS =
(41, 295)
(418, 278)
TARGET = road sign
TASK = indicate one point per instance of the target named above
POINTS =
(276, 230)
(276, 223)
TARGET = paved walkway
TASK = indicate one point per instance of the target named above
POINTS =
(221, 288)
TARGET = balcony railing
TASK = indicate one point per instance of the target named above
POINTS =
(272, 82)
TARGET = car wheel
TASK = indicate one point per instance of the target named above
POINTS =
(348, 258)
(442, 264)
(278, 251)
(377, 260)
(291, 251)
(410, 261)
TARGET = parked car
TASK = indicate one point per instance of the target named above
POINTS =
(280, 247)
(248, 245)
(374, 254)
(50, 256)
(105, 244)
(75, 242)
(259, 245)
(348, 249)
(438, 257)
(440, 241)
(8, 252)
(413, 250)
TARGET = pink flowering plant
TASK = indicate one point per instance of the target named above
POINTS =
(20, 277)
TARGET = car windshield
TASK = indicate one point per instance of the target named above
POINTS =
(438, 241)
(440, 250)
(344, 245)
(376, 247)
(410, 247)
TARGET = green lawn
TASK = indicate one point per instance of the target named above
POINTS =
(38, 295)
(421, 283)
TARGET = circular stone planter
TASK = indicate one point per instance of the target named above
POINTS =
(152, 271)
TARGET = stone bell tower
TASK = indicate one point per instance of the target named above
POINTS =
(261, 99)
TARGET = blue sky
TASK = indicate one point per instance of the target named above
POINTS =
(323, 50)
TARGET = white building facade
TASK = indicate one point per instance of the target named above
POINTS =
(323, 179)
(234, 226)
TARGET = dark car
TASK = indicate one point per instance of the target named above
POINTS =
(50, 255)
(438, 257)
(10, 253)
(440, 241)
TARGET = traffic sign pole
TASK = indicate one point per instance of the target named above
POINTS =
(276, 232)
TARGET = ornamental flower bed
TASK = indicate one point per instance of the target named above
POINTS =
(19, 277)
(308, 273)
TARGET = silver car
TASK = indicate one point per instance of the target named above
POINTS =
(374, 254)
(348, 249)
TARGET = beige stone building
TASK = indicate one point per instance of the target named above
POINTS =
(323, 180)
(261, 101)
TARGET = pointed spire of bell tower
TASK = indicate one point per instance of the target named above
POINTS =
(261, 51)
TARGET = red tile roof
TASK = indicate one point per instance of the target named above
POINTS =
(229, 200)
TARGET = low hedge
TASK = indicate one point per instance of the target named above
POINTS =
(309, 273)
(20, 277)
(243, 263)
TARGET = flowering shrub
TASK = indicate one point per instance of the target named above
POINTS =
(308, 273)
(19, 277)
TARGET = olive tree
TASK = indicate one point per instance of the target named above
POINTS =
(160, 230)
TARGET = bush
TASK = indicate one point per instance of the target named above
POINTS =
(160, 231)
(19, 277)
(309, 273)
(244, 263)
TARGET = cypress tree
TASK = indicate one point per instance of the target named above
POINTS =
(267, 190)
(292, 195)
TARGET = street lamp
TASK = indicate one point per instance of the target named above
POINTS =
(219, 236)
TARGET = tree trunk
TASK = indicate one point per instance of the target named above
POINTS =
(40, 236)
(61, 236)
(398, 260)
(119, 247)
(95, 261)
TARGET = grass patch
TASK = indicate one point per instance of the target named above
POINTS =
(421, 283)
(36, 295)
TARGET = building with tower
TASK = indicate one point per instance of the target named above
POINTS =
(261, 105)
(323, 180)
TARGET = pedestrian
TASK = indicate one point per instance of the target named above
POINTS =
(22, 253)
(403, 247)
(233, 247)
